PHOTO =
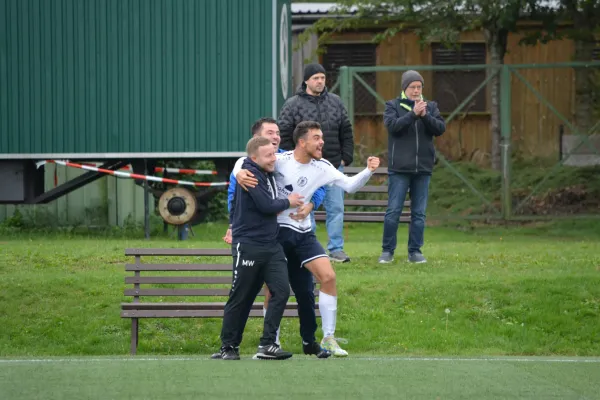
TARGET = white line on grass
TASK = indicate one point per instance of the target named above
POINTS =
(426, 359)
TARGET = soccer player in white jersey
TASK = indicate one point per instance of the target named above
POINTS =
(303, 171)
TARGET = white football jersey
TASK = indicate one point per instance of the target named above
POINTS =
(292, 176)
(304, 179)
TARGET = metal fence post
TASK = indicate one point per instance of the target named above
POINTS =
(505, 130)
(346, 91)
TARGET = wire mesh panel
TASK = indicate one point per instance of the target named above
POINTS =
(357, 54)
(521, 141)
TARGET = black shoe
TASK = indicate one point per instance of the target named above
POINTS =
(315, 349)
(272, 352)
(218, 355)
(229, 353)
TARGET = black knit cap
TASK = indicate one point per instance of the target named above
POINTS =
(311, 69)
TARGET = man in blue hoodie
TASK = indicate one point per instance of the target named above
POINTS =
(257, 256)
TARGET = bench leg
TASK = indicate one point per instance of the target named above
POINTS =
(134, 335)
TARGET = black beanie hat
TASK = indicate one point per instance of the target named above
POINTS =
(311, 69)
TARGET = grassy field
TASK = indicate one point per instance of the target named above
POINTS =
(301, 378)
(510, 291)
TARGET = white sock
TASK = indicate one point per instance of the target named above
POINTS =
(277, 337)
(328, 309)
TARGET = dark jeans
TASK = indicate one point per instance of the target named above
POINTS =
(398, 185)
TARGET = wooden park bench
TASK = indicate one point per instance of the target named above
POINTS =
(378, 207)
(211, 283)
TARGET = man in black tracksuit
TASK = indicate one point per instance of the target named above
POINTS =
(257, 256)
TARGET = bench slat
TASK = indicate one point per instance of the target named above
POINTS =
(364, 216)
(370, 203)
(178, 252)
(187, 292)
(373, 189)
(372, 218)
(178, 267)
(348, 214)
(196, 313)
(351, 213)
(356, 170)
(179, 279)
(189, 306)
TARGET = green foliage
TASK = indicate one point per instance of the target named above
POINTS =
(432, 21)
(568, 19)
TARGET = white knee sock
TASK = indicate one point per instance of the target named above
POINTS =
(328, 309)
(277, 337)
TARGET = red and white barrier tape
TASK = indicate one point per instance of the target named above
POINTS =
(157, 169)
(134, 176)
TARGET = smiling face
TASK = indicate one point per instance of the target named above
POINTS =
(265, 158)
(313, 143)
(271, 132)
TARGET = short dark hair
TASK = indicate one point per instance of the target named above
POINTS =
(302, 129)
(258, 124)
(256, 142)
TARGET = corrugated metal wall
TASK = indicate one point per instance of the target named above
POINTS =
(107, 201)
(133, 75)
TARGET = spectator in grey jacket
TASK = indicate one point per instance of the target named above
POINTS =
(412, 123)
(312, 102)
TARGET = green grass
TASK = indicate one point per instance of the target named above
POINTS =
(532, 290)
(299, 378)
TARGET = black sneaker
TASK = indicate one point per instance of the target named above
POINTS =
(229, 353)
(272, 352)
(218, 355)
(315, 349)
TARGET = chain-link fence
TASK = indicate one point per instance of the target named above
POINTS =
(522, 141)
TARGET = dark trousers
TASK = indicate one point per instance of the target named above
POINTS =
(299, 248)
(303, 285)
(253, 265)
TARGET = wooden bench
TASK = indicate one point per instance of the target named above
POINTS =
(214, 278)
(377, 215)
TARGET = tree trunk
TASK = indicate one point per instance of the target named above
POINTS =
(496, 42)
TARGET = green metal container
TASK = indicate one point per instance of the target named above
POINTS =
(100, 79)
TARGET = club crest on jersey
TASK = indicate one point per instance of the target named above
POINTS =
(302, 181)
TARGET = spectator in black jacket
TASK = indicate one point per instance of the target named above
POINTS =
(412, 123)
(257, 255)
(312, 102)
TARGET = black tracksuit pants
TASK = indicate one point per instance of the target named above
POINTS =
(253, 265)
